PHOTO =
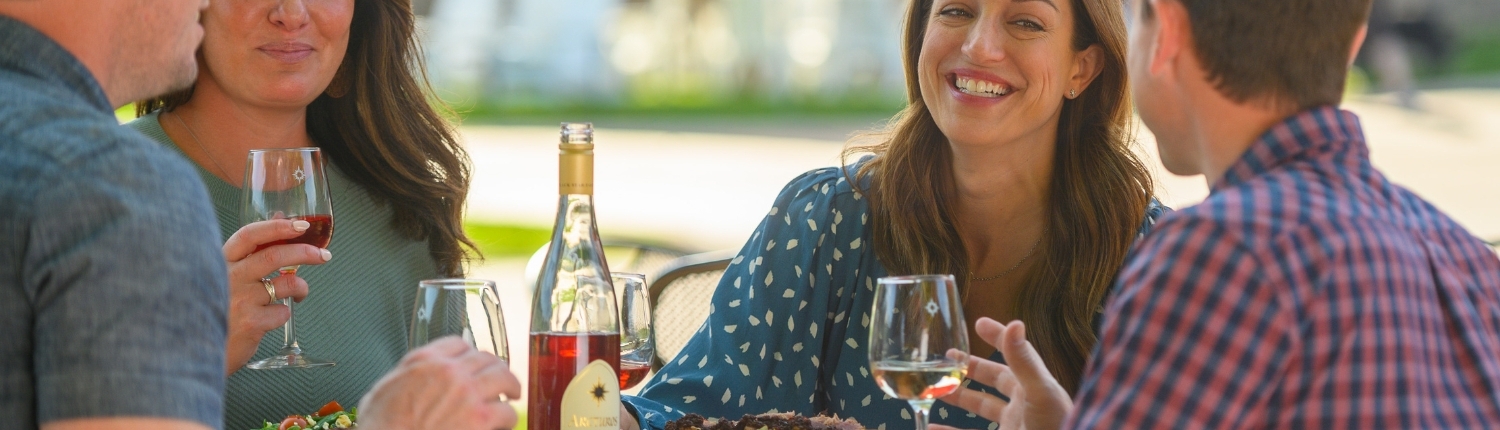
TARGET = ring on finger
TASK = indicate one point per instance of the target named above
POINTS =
(270, 289)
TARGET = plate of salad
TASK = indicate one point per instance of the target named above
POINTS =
(331, 416)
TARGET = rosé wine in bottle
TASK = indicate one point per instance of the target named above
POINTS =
(575, 329)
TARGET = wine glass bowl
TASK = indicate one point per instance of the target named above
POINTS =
(919, 346)
(468, 308)
(288, 184)
(636, 343)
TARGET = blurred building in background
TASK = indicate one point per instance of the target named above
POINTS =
(550, 53)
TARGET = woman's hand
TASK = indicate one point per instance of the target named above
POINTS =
(1037, 401)
(252, 312)
(446, 384)
(628, 421)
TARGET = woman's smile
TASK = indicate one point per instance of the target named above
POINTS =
(969, 86)
(287, 52)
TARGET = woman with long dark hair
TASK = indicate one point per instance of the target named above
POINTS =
(1010, 168)
(344, 76)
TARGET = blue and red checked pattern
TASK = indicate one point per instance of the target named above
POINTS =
(1306, 291)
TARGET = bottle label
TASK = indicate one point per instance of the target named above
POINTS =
(592, 400)
(575, 169)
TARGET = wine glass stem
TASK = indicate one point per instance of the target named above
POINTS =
(289, 344)
(922, 408)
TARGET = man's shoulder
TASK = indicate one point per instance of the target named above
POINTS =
(78, 147)
(1259, 211)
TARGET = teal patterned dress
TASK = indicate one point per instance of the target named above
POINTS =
(788, 324)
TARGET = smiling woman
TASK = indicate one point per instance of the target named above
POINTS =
(1033, 94)
(1009, 169)
(344, 76)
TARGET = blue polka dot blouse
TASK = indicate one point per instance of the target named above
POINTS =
(788, 324)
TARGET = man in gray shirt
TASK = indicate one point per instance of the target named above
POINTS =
(112, 298)
(112, 284)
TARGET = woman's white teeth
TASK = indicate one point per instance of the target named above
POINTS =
(981, 88)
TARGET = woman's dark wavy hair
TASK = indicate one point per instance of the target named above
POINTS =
(1099, 194)
(386, 134)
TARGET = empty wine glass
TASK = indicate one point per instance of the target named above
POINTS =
(288, 184)
(919, 348)
(468, 308)
(636, 344)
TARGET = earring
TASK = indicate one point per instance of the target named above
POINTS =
(1072, 94)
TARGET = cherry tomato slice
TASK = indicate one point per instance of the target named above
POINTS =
(329, 409)
(292, 420)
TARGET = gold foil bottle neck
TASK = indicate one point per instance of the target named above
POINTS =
(575, 159)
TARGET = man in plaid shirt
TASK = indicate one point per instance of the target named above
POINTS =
(1307, 291)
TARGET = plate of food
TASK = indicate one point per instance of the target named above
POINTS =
(331, 416)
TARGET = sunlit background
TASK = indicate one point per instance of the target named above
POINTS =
(774, 87)
(706, 108)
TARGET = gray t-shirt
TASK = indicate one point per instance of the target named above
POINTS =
(112, 284)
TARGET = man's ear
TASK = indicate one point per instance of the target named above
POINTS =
(1359, 40)
(1173, 35)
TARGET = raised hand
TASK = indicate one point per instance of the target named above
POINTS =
(1037, 401)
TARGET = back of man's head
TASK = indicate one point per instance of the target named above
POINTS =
(1293, 53)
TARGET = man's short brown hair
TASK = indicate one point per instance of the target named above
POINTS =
(1287, 52)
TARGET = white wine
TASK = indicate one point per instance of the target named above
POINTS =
(919, 380)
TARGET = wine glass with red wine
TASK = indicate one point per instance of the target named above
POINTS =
(288, 184)
(636, 344)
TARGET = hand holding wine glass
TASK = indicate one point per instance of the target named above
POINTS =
(445, 384)
(919, 348)
(288, 184)
(253, 311)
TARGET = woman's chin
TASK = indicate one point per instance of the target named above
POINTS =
(297, 97)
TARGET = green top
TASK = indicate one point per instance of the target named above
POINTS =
(356, 312)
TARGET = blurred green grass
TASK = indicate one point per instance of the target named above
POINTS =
(1477, 56)
(499, 240)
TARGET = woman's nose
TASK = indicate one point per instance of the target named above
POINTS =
(985, 43)
(289, 14)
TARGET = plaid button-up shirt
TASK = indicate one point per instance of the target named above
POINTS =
(1307, 291)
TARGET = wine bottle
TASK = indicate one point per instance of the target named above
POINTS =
(575, 331)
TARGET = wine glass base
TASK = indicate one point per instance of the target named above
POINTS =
(291, 361)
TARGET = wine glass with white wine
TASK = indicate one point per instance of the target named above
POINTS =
(919, 347)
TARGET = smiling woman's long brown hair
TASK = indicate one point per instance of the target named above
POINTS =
(377, 124)
(1099, 194)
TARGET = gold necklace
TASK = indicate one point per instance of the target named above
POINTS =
(1012, 267)
(210, 155)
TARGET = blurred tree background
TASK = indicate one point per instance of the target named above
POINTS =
(509, 61)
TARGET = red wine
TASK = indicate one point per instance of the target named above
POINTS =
(632, 373)
(555, 359)
(318, 234)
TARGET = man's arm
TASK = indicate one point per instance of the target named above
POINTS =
(123, 424)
